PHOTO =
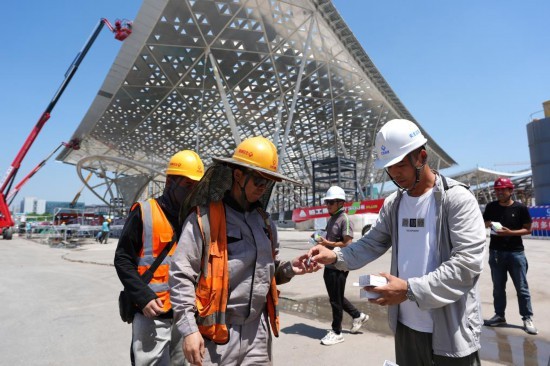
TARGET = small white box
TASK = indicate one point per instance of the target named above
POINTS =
(495, 226)
(372, 280)
(364, 294)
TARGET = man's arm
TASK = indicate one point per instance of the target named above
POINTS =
(361, 252)
(526, 221)
(336, 244)
(184, 271)
(525, 230)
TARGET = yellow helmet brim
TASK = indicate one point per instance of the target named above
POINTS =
(263, 172)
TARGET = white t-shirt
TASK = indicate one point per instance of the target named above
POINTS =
(416, 252)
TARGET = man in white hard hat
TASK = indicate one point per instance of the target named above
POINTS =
(437, 235)
(339, 233)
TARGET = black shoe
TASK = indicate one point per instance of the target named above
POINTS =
(495, 321)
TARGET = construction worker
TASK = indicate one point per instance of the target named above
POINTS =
(229, 250)
(339, 233)
(105, 230)
(437, 235)
(507, 253)
(151, 226)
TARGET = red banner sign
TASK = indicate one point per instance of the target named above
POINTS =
(352, 208)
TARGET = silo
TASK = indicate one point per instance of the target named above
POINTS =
(538, 134)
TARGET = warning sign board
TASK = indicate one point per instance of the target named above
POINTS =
(352, 208)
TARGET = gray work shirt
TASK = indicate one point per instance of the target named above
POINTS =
(338, 227)
(250, 263)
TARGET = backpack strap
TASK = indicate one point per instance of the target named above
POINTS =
(204, 225)
(445, 184)
(267, 222)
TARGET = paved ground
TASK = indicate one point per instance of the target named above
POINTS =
(59, 307)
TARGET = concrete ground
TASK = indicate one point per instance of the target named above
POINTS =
(59, 307)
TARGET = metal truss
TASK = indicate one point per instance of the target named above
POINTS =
(125, 180)
(203, 75)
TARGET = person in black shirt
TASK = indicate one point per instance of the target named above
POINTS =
(151, 226)
(508, 220)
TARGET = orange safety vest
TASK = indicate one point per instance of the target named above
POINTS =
(212, 289)
(157, 233)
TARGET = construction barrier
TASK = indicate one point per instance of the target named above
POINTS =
(541, 221)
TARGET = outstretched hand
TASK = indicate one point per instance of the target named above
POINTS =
(322, 254)
(303, 264)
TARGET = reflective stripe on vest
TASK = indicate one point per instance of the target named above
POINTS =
(157, 233)
(212, 292)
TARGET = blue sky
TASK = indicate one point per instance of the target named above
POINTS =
(471, 72)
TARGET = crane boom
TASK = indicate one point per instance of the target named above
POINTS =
(121, 30)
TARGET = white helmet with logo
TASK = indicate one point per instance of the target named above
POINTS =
(335, 193)
(395, 140)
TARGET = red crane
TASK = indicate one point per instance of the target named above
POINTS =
(122, 29)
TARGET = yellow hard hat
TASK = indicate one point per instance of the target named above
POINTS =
(259, 154)
(186, 163)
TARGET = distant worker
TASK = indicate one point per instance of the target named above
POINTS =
(151, 226)
(510, 220)
(105, 231)
(224, 273)
(339, 234)
(28, 229)
(435, 230)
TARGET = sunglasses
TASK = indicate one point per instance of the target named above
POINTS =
(258, 180)
(331, 202)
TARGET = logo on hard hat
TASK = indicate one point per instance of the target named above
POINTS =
(384, 150)
(175, 164)
(246, 152)
(414, 133)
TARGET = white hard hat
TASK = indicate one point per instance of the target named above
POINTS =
(335, 193)
(395, 140)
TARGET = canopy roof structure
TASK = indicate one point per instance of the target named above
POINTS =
(481, 182)
(204, 75)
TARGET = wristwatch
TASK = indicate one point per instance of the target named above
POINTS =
(410, 294)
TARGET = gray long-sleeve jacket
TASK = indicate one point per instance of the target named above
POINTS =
(450, 291)
(250, 263)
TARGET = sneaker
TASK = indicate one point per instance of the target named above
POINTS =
(529, 327)
(332, 338)
(495, 321)
(358, 322)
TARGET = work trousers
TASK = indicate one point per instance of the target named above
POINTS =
(413, 348)
(249, 344)
(514, 263)
(156, 342)
(335, 282)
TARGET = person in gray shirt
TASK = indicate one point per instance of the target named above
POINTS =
(339, 233)
(225, 269)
